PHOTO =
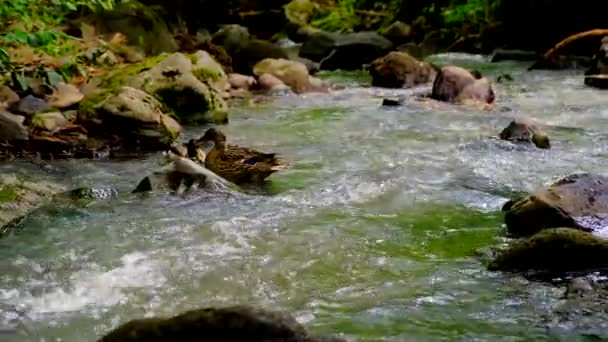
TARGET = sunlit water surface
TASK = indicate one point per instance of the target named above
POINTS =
(372, 233)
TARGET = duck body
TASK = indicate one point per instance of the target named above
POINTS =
(238, 164)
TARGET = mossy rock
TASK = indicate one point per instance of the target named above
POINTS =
(237, 323)
(578, 201)
(557, 250)
(525, 130)
(19, 196)
(188, 85)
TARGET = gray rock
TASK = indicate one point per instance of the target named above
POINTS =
(349, 51)
(142, 115)
(12, 128)
(29, 106)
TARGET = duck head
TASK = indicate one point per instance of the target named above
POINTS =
(212, 136)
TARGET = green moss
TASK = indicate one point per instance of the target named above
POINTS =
(8, 195)
(203, 74)
(111, 83)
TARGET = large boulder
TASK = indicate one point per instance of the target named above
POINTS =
(348, 51)
(237, 323)
(456, 84)
(293, 74)
(400, 70)
(525, 130)
(191, 86)
(557, 251)
(139, 117)
(578, 201)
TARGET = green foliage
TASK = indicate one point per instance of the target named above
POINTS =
(341, 18)
(469, 11)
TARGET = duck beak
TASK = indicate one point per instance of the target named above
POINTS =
(200, 155)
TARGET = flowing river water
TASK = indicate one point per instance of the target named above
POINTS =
(372, 233)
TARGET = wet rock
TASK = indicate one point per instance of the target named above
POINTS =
(182, 174)
(480, 91)
(557, 250)
(29, 106)
(397, 32)
(65, 95)
(19, 196)
(12, 128)
(238, 81)
(237, 323)
(392, 102)
(578, 201)
(578, 287)
(49, 121)
(456, 84)
(504, 78)
(7, 97)
(525, 130)
(140, 115)
(268, 82)
(187, 85)
(87, 193)
(500, 55)
(597, 81)
(291, 73)
(349, 51)
(400, 70)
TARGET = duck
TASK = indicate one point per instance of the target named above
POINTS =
(235, 163)
(190, 150)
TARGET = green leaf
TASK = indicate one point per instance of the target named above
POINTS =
(53, 78)
(20, 80)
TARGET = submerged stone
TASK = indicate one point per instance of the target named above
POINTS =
(525, 130)
(237, 323)
(556, 250)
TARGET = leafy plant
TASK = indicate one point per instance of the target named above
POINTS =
(341, 18)
(471, 11)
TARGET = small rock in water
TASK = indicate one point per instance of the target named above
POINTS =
(503, 78)
(392, 102)
(597, 81)
(578, 287)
